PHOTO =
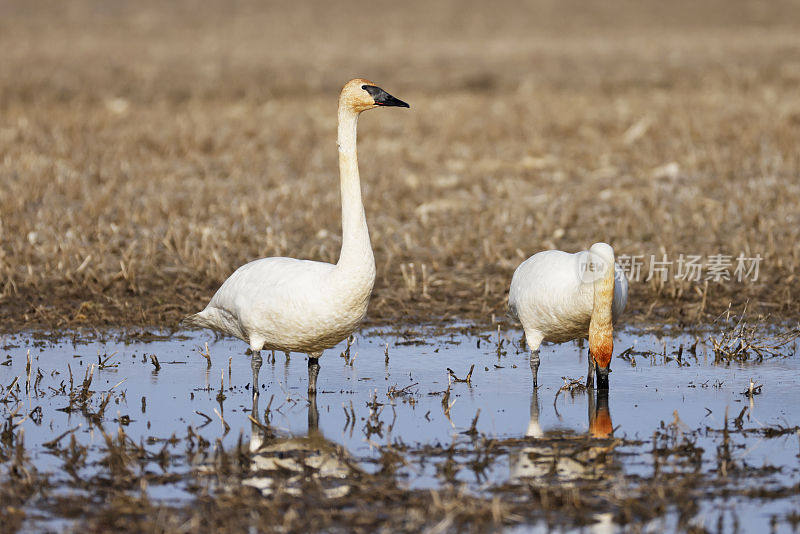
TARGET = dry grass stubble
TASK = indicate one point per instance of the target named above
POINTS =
(147, 152)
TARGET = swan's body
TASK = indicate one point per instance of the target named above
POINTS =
(559, 297)
(289, 305)
(306, 306)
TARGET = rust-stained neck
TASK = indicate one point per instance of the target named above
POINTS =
(601, 329)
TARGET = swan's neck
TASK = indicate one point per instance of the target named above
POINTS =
(601, 329)
(356, 251)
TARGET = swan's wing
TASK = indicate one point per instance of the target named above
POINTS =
(269, 279)
(217, 319)
(548, 294)
(269, 287)
(551, 276)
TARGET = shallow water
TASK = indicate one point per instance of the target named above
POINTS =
(656, 401)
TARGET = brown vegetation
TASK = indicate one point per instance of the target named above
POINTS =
(146, 150)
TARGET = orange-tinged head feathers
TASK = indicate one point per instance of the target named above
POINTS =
(361, 94)
(601, 346)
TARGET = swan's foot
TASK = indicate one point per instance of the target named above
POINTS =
(590, 374)
(255, 365)
(535, 368)
(313, 372)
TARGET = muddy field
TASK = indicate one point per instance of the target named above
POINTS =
(148, 150)
(421, 429)
(424, 430)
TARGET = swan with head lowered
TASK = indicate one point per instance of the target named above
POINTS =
(293, 305)
(559, 297)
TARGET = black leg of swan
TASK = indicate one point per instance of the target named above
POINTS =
(313, 371)
(535, 368)
(590, 374)
(255, 364)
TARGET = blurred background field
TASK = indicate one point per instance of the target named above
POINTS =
(147, 149)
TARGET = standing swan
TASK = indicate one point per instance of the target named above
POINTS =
(294, 305)
(559, 297)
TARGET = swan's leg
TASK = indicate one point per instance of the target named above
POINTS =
(534, 339)
(590, 374)
(535, 368)
(313, 371)
(255, 364)
(256, 344)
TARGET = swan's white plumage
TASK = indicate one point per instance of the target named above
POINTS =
(307, 306)
(289, 305)
(552, 295)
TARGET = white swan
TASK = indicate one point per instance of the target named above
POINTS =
(559, 296)
(294, 305)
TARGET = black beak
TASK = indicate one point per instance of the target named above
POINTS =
(602, 378)
(382, 98)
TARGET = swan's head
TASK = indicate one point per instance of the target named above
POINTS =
(360, 95)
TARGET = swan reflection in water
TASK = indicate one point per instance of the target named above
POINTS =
(290, 463)
(565, 455)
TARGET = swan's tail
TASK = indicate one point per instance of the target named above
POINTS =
(511, 311)
(196, 319)
(216, 319)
